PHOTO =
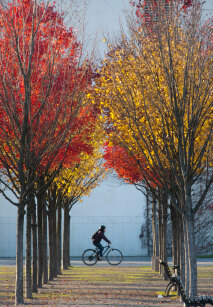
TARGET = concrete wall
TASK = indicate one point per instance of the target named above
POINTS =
(122, 231)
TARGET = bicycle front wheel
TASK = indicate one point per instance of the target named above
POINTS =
(114, 256)
(90, 257)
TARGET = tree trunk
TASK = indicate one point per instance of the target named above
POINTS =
(45, 258)
(182, 251)
(59, 239)
(160, 234)
(19, 257)
(147, 224)
(66, 239)
(28, 253)
(164, 232)
(190, 242)
(35, 249)
(179, 229)
(40, 238)
(54, 237)
(192, 258)
(174, 220)
(186, 257)
(155, 257)
(154, 229)
(51, 251)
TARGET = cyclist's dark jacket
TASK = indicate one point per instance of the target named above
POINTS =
(99, 236)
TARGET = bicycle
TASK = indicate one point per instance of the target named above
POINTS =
(113, 255)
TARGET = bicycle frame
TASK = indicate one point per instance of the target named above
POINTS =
(105, 250)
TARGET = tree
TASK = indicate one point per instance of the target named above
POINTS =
(82, 135)
(78, 181)
(133, 170)
(156, 97)
(42, 102)
(129, 167)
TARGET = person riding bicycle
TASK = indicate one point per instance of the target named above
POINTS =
(97, 237)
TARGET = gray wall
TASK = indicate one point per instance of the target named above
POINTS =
(122, 231)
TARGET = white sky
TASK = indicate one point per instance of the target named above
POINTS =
(103, 17)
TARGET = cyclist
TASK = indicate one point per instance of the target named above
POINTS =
(97, 237)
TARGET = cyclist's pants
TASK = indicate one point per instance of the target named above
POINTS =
(100, 247)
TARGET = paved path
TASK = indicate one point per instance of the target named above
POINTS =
(127, 261)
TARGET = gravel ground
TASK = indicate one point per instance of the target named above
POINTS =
(102, 286)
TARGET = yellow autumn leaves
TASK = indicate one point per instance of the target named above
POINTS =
(86, 173)
(155, 96)
(156, 92)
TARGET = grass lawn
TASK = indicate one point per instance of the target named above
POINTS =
(100, 286)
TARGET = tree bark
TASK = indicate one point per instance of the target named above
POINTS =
(28, 288)
(40, 238)
(51, 251)
(162, 225)
(59, 239)
(155, 257)
(147, 223)
(52, 233)
(35, 248)
(174, 220)
(66, 239)
(186, 257)
(178, 235)
(160, 234)
(192, 258)
(19, 256)
(45, 258)
(154, 228)
(182, 251)
(164, 232)
(54, 237)
(190, 242)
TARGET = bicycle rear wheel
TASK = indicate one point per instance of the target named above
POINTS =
(90, 257)
(114, 256)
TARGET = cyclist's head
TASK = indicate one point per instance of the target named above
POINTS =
(102, 228)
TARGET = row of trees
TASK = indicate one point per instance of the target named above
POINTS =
(203, 227)
(50, 138)
(67, 189)
(155, 94)
(153, 97)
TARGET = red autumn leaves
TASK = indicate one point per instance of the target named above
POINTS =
(42, 85)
